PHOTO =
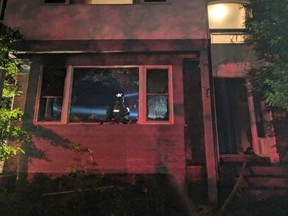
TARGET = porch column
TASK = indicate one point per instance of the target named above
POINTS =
(210, 151)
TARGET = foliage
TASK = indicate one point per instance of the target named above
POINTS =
(10, 129)
(81, 163)
(8, 38)
(268, 34)
(100, 195)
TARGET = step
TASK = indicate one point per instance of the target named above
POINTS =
(273, 171)
(240, 158)
(267, 182)
(262, 194)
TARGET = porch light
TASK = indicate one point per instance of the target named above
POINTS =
(218, 12)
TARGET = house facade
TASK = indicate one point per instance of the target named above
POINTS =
(128, 81)
(138, 87)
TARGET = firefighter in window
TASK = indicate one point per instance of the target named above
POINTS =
(120, 113)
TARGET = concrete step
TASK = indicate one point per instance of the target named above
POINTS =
(264, 193)
(259, 182)
(267, 182)
(273, 171)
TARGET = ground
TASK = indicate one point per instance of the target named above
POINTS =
(100, 195)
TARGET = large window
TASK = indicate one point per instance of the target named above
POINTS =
(226, 22)
(136, 94)
(104, 94)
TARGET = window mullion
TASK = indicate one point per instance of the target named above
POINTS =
(67, 95)
(170, 95)
(142, 95)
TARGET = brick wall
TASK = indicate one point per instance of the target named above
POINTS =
(22, 82)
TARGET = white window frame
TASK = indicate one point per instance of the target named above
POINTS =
(142, 106)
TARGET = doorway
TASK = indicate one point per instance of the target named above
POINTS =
(194, 129)
(232, 110)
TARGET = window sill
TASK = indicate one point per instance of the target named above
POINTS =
(103, 123)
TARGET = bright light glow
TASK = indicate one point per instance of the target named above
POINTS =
(218, 12)
(226, 16)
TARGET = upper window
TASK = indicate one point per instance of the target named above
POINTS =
(102, 2)
(226, 22)
(107, 94)
(154, 1)
(55, 1)
(2, 8)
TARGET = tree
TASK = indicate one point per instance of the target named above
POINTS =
(10, 128)
(267, 33)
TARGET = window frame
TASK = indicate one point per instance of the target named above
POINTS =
(230, 35)
(142, 100)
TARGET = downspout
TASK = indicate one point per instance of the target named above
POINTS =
(254, 132)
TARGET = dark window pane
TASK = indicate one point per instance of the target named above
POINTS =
(157, 81)
(52, 94)
(157, 108)
(54, 1)
(101, 2)
(104, 94)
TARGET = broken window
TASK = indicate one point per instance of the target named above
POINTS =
(52, 94)
(104, 94)
(157, 94)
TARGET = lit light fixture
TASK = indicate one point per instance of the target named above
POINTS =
(218, 12)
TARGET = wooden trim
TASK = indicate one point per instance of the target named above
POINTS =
(38, 96)
(210, 149)
(142, 101)
(110, 46)
(67, 95)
